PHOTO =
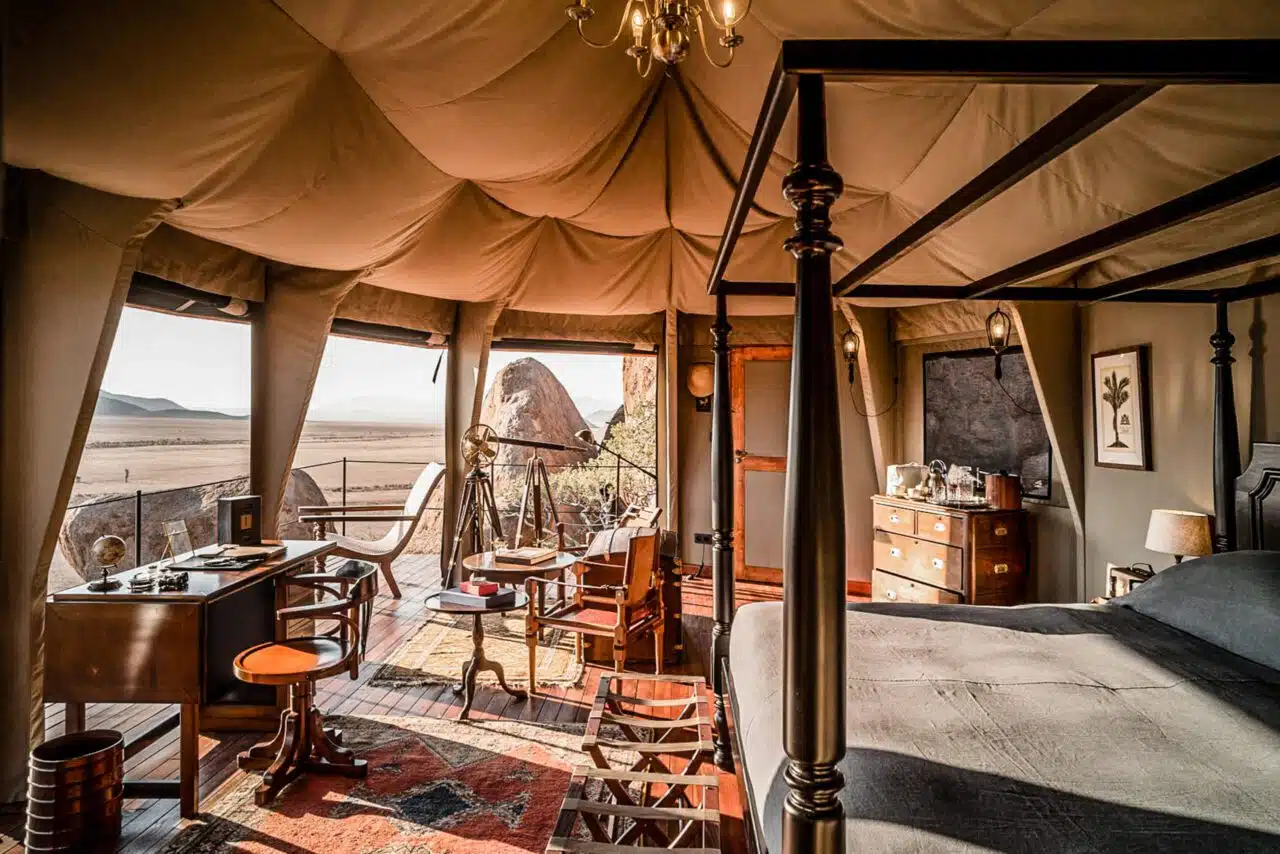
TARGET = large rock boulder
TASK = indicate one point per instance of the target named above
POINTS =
(526, 401)
(197, 506)
(639, 383)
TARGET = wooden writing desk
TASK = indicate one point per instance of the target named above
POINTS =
(171, 647)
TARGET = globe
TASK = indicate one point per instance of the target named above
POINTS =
(108, 550)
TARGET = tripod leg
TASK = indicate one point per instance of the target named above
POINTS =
(524, 502)
(477, 531)
(532, 482)
(495, 521)
(546, 485)
(468, 510)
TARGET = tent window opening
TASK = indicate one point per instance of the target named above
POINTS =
(170, 431)
(375, 421)
(601, 407)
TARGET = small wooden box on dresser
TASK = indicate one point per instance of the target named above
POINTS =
(946, 555)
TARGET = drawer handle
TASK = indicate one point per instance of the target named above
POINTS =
(894, 551)
(895, 518)
(1001, 531)
(891, 594)
(938, 563)
(939, 526)
(1000, 568)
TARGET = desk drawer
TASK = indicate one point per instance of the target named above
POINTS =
(933, 563)
(886, 587)
(900, 520)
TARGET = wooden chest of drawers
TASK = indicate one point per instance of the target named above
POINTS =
(929, 553)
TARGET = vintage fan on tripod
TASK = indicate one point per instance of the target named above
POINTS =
(479, 508)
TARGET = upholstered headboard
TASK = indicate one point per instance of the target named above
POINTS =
(1258, 500)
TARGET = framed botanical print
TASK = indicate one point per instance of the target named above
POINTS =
(1122, 409)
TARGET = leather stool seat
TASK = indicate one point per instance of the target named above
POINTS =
(285, 662)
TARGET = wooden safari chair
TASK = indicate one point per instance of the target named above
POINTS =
(621, 612)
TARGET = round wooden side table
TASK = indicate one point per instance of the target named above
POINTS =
(488, 566)
(478, 660)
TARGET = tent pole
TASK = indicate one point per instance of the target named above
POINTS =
(722, 529)
(813, 585)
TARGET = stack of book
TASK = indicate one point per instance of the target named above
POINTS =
(478, 594)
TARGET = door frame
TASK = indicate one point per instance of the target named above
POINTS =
(744, 462)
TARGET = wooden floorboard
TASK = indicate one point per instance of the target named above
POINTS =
(149, 824)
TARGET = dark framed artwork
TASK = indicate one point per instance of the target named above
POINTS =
(972, 420)
(1122, 408)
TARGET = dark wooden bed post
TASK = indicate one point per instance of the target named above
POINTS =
(1226, 436)
(721, 530)
(813, 582)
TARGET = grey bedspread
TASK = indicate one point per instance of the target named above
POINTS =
(1039, 728)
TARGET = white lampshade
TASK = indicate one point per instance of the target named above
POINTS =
(1179, 533)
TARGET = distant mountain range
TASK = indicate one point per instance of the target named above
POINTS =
(600, 417)
(152, 407)
(357, 408)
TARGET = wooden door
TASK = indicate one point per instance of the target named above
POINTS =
(759, 381)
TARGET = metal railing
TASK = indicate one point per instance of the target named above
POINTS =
(594, 518)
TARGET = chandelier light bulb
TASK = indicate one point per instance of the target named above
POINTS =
(672, 28)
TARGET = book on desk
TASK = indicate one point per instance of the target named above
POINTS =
(229, 557)
(456, 596)
(525, 556)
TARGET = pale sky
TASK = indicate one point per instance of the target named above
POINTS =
(204, 364)
(201, 364)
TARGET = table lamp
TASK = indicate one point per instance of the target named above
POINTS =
(1179, 533)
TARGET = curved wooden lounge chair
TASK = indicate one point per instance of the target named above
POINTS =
(385, 550)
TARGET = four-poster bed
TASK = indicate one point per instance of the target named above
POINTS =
(813, 615)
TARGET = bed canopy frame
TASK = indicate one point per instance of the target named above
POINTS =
(1123, 74)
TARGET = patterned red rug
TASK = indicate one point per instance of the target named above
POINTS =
(434, 786)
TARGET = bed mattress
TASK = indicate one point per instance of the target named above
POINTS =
(1038, 728)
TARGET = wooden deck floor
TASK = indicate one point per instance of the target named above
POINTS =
(148, 824)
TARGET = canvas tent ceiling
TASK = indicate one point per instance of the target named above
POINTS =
(479, 151)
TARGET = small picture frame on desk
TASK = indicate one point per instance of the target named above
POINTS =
(177, 541)
(1122, 579)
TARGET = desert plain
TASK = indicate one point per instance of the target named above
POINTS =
(165, 453)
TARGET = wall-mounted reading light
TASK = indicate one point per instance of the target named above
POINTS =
(701, 383)
(849, 343)
(999, 325)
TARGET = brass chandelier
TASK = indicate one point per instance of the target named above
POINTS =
(661, 29)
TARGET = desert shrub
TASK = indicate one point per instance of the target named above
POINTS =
(635, 438)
